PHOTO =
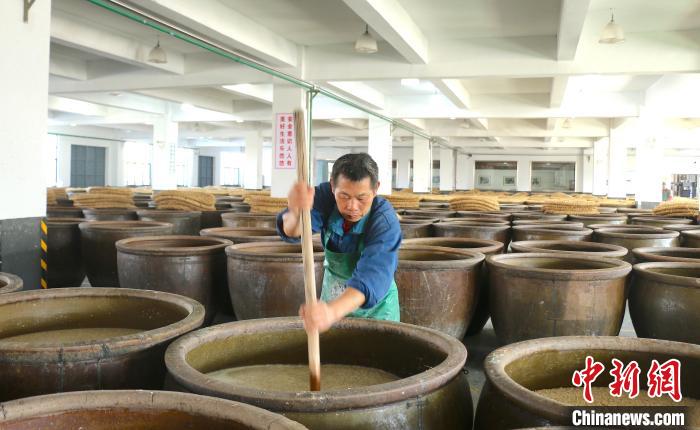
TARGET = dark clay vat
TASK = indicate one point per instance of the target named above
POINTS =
(110, 214)
(617, 219)
(235, 219)
(431, 213)
(668, 255)
(411, 229)
(505, 216)
(10, 283)
(137, 410)
(474, 230)
(664, 301)
(192, 266)
(212, 219)
(266, 279)
(243, 234)
(546, 222)
(632, 238)
(184, 222)
(438, 287)
(432, 394)
(63, 212)
(551, 232)
(691, 238)
(513, 374)
(570, 247)
(540, 295)
(64, 260)
(139, 326)
(483, 246)
(98, 249)
(658, 221)
(538, 215)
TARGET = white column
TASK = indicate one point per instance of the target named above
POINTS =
(285, 99)
(252, 171)
(523, 181)
(403, 167)
(617, 164)
(649, 173)
(165, 135)
(447, 169)
(587, 171)
(422, 165)
(600, 167)
(464, 172)
(24, 111)
(379, 148)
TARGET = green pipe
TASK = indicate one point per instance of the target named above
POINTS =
(84, 137)
(137, 15)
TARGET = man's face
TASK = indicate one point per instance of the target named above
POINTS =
(354, 198)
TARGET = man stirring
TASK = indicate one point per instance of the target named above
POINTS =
(361, 236)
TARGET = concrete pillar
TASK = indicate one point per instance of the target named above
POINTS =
(403, 168)
(464, 172)
(587, 171)
(649, 173)
(447, 169)
(422, 165)
(617, 164)
(23, 136)
(379, 148)
(252, 171)
(523, 181)
(600, 167)
(163, 170)
(285, 99)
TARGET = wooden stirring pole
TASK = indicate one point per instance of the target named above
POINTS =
(307, 248)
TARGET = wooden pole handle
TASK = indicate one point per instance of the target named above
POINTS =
(307, 248)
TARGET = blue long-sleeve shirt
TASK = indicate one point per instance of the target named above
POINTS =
(375, 270)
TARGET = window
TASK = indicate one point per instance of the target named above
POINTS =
(496, 175)
(184, 162)
(87, 166)
(231, 163)
(137, 163)
(436, 173)
(52, 161)
(550, 176)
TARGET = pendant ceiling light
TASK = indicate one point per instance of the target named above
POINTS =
(157, 54)
(612, 32)
(366, 44)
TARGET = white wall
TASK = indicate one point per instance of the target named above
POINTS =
(24, 109)
(114, 166)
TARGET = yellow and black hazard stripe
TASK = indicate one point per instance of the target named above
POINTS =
(44, 254)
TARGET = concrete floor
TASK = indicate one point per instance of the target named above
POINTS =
(481, 345)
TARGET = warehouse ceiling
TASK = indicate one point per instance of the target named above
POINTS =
(491, 74)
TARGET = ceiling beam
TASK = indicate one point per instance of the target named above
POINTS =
(356, 124)
(454, 91)
(213, 19)
(556, 94)
(514, 57)
(121, 100)
(395, 25)
(259, 92)
(142, 80)
(69, 68)
(69, 31)
(194, 97)
(571, 19)
(360, 92)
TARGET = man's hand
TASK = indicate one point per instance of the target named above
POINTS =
(317, 316)
(321, 315)
(301, 196)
